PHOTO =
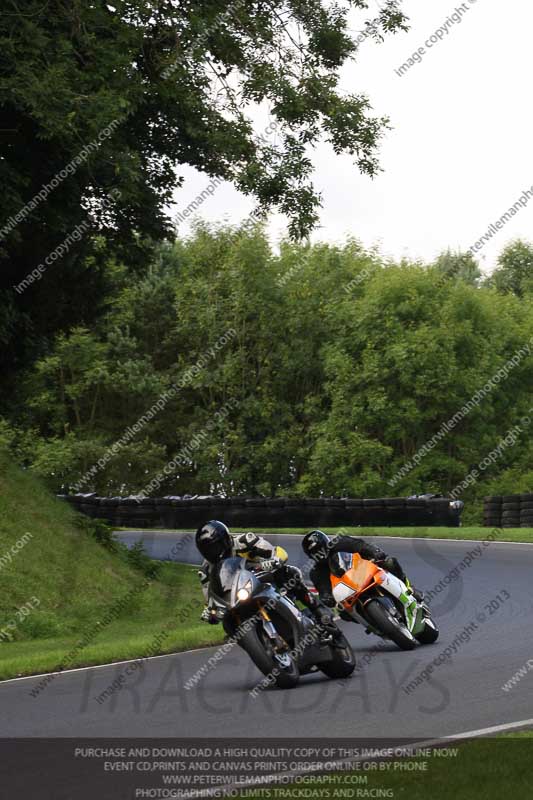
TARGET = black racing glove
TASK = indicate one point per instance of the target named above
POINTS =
(392, 565)
(210, 616)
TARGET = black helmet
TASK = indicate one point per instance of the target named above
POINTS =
(213, 540)
(316, 545)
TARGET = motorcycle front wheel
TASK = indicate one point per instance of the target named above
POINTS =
(429, 633)
(282, 668)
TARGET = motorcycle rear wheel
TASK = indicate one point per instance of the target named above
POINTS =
(384, 622)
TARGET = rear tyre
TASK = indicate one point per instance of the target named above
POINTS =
(259, 648)
(342, 662)
(429, 633)
(383, 620)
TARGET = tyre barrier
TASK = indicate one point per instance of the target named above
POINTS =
(279, 512)
(508, 511)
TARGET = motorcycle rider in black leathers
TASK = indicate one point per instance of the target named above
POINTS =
(318, 546)
(215, 543)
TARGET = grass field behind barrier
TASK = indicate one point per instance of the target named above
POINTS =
(474, 533)
(467, 534)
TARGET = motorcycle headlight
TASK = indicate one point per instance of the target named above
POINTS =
(245, 592)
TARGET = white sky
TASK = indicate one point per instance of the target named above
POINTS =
(459, 154)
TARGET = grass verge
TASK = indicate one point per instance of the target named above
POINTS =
(66, 600)
(482, 769)
(171, 628)
(462, 534)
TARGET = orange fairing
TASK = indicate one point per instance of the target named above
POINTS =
(361, 576)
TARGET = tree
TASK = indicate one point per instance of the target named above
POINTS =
(339, 368)
(405, 354)
(459, 267)
(514, 272)
(119, 95)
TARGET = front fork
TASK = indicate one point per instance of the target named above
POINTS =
(397, 588)
(268, 626)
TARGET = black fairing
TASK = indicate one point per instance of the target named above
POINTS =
(223, 575)
(293, 625)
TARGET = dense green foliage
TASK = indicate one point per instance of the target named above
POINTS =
(335, 368)
(125, 93)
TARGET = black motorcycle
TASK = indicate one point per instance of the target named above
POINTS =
(283, 641)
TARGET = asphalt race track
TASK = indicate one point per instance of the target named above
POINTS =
(462, 694)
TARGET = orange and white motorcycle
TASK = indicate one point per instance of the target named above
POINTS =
(373, 597)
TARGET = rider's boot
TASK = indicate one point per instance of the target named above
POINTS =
(325, 619)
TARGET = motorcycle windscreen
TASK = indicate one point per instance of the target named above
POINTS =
(358, 574)
(340, 563)
(224, 574)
